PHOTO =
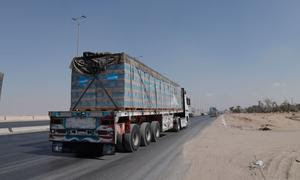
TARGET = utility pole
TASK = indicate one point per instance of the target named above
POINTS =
(1, 81)
(78, 20)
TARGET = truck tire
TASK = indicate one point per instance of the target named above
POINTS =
(155, 131)
(119, 144)
(187, 122)
(132, 139)
(177, 125)
(145, 132)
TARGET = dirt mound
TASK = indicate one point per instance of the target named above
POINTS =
(264, 121)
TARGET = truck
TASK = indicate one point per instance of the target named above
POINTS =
(117, 103)
(213, 112)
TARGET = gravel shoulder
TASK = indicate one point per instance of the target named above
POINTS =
(233, 147)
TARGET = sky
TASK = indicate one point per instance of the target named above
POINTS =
(225, 53)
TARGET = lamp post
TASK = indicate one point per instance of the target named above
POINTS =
(78, 20)
(1, 81)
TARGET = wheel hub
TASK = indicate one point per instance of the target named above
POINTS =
(135, 139)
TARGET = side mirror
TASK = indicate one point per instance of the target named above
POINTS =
(188, 101)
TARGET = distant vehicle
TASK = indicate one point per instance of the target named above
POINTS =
(213, 112)
(190, 111)
(117, 102)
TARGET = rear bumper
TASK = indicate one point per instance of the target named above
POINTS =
(79, 139)
(82, 127)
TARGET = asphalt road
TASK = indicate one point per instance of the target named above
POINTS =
(23, 124)
(29, 156)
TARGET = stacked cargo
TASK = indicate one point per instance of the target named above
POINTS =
(124, 83)
(1, 82)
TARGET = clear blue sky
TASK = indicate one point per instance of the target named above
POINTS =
(223, 52)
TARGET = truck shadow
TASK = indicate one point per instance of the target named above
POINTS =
(44, 148)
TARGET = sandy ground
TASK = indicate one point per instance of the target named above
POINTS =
(233, 147)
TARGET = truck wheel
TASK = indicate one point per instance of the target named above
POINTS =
(180, 125)
(132, 140)
(176, 125)
(187, 122)
(145, 132)
(155, 131)
(119, 144)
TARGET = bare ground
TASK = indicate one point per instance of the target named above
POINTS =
(233, 147)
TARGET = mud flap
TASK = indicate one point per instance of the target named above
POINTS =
(108, 149)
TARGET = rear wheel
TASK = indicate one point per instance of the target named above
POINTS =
(119, 144)
(132, 139)
(145, 132)
(155, 131)
(177, 125)
(187, 122)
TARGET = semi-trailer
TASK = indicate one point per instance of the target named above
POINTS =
(117, 102)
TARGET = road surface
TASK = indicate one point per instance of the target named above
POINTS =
(29, 156)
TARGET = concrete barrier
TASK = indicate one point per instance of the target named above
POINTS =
(21, 130)
(4, 131)
(24, 118)
(41, 117)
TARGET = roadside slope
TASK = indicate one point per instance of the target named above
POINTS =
(229, 151)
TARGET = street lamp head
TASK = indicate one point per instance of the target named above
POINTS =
(77, 19)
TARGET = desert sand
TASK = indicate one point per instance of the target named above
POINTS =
(235, 146)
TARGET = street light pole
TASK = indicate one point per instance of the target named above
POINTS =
(78, 20)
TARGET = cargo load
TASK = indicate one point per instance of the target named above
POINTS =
(117, 81)
(117, 103)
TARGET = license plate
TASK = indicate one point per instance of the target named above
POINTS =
(81, 123)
